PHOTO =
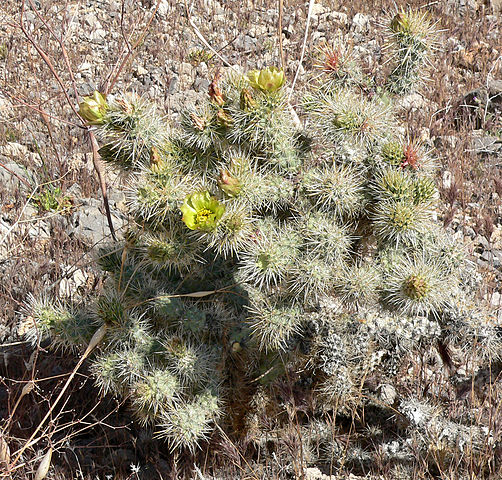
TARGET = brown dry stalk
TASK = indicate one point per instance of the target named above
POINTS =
(95, 340)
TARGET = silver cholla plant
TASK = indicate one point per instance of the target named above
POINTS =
(260, 248)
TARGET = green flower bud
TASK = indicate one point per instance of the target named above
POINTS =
(201, 211)
(416, 287)
(93, 108)
(269, 79)
(400, 23)
(228, 184)
(393, 153)
(424, 190)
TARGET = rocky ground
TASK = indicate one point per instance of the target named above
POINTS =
(51, 209)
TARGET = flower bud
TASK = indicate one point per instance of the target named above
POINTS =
(269, 79)
(93, 108)
(156, 161)
(198, 122)
(228, 184)
(223, 118)
(400, 23)
(247, 100)
(215, 92)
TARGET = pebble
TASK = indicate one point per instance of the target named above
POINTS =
(361, 23)
(69, 285)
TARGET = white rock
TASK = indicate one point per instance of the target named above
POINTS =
(339, 17)
(92, 21)
(447, 179)
(141, 71)
(361, 23)
(69, 285)
(315, 474)
(318, 9)
(164, 9)
(496, 299)
(85, 68)
(14, 150)
(413, 101)
(388, 393)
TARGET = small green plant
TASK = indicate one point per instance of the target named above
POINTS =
(197, 56)
(52, 199)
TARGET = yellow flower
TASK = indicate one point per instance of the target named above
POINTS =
(269, 79)
(201, 211)
(93, 108)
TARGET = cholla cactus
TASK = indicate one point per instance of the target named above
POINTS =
(412, 35)
(256, 249)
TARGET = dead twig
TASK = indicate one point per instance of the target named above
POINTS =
(96, 339)
(114, 75)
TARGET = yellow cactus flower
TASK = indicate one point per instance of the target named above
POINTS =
(269, 79)
(201, 211)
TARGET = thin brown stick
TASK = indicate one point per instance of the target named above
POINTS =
(98, 167)
(47, 122)
(23, 104)
(21, 179)
(130, 52)
(95, 340)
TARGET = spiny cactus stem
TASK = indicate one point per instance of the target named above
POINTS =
(95, 341)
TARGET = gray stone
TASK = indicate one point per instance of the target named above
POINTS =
(492, 257)
(90, 223)
(339, 18)
(481, 240)
(11, 175)
(487, 144)
(201, 84)
(245, 43)
(172, 84)
(74, 190)
(40, 230)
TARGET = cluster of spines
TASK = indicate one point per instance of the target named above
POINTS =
(412, 37)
